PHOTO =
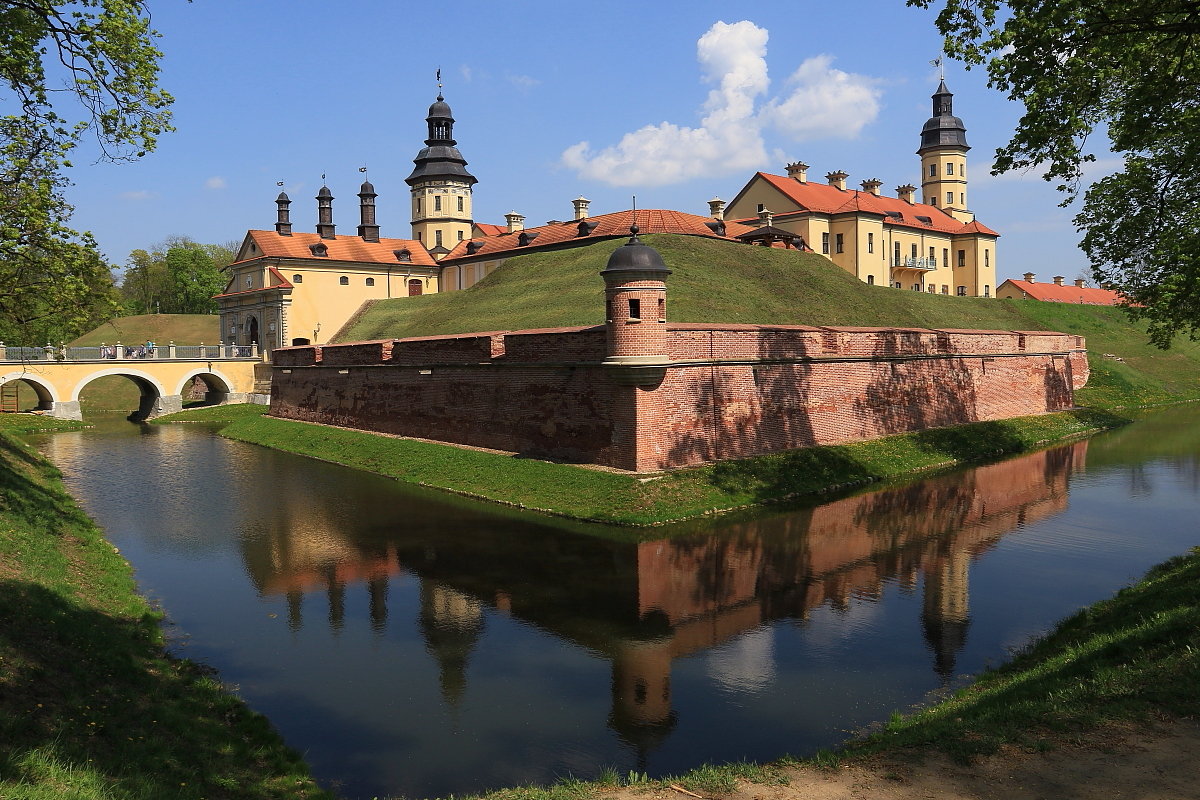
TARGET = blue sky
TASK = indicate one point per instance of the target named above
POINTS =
(672, 102)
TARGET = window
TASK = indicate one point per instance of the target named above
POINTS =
(437, 237)
(896, 262)
(962, 291)
(962, 198)
(945, 289)
(662, 310)
(870, 243)
(635, 308)
(932, 170)
(870, 280)
(916, 287)
(946, 257)
(899, 285)
(949, 198)
(460, 236)
(932, 288)
(950, 168)
(962, 258)
(932, 257)
(761, 206)
(420, 238)
(840, 243)
(825, 243)
(914, 251)
(460, 206)
(932, 201)
(987, 290)
(418, 206)
(297, 278)
(370, 281)
(344, 281)
(437, 202)
(987, 258)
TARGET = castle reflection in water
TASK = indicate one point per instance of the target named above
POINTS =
(642, 605)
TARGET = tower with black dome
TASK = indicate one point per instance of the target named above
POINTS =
(943, 155)
(441, 186)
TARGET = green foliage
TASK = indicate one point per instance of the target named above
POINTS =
(176, 276)
(1127, 68)
(53, 282)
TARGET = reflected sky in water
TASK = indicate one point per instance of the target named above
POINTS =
(413, 643)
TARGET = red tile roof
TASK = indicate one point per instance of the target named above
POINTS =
(603, 226)
(491, 230)
(1052, 292)
(342, 248)
(277, 282)
(825, 199)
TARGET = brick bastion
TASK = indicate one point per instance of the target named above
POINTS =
(726, 391)
(642, 394)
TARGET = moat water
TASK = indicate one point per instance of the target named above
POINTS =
(411, 643)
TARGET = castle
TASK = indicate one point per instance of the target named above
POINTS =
(291, 288)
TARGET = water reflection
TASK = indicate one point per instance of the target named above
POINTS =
(643, 606)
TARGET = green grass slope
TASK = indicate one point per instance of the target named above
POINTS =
(160, 328)
(714, 281)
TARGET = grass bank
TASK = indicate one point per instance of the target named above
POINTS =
(90, 704)
(625, 499)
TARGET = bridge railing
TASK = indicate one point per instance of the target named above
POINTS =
(122, 352)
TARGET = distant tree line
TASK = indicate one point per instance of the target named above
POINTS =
(175, 276)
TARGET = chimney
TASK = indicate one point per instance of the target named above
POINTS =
(367, 229)
(1058, 280)
(283, 218)
(765, 218)
(516, 222)
(798, 170)
(872, 186)
(581, 207)
(325, 224)
(837, 180)
(1029, 276)
(716, 208)
(1080, 282)
(906, 192)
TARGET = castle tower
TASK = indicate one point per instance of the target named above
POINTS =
(441, 186)
(325, 226)
(635, 296)
(943, 155)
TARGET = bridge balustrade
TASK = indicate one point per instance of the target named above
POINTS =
(120, 352)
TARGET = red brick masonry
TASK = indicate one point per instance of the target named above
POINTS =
(722, 391)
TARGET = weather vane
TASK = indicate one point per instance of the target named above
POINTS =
(363, 170)
(279, 183)
(439, 78)
(937, 62)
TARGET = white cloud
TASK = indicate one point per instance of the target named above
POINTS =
(139, 194)
(465, 72)
(824, 102)
(728, 139)
(522, 81)
(820, 102)
(215, 182)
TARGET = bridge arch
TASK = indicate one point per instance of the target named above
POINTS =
(43, 390)
(152, 392)
(219, 386)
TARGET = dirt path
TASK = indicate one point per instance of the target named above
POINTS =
(1117, 764)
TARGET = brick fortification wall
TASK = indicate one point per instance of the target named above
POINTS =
(722, 391)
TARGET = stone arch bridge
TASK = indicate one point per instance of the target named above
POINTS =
(162, 374)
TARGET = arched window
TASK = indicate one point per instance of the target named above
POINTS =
(297, 278)
(370, 281)
(344, 281)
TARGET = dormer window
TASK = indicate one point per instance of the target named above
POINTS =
(319, 250)
(586, 227)
(403, 256)
(474, 247)
(525, 237)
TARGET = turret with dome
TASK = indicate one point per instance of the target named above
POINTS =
(441, 186)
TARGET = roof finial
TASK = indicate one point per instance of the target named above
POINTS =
(633, 227)
(939, 63)
(439, 82)
(363, 170)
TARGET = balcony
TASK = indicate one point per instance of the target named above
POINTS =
(914, 263)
